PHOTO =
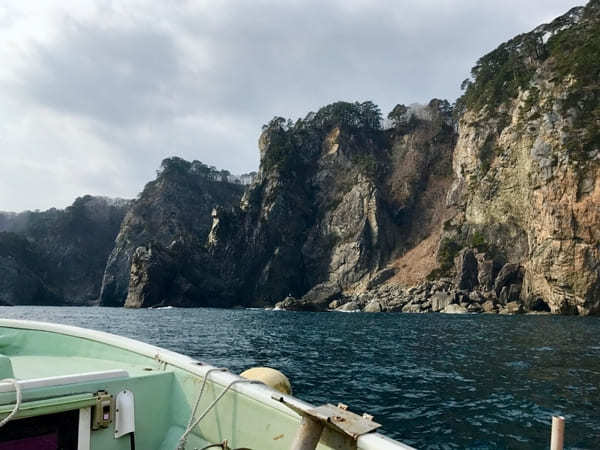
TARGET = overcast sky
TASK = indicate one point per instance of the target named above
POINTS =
(95, 93)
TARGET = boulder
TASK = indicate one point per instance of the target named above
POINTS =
(488, 307)
(440, 300)
(336, 303)
(466, 269)
(474, 308)
(293, 304)
(512, 308)
(509, 274)
(411, 308)
(373, 306)
(322, 293)
(475, 296)
(455, 309)
(485, 274)
(350, 306)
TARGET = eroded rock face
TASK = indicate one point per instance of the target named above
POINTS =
(20, 269)
(150, 277)
(466, 269)
(530, 163)
(173, 211)
(332, 205)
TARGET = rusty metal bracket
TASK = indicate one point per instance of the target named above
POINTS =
(335, 417)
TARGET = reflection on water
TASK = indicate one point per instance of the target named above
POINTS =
(433, 381)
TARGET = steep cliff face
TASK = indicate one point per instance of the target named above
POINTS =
(491, 205)
(173, 216)
(527, 161)
(335, 201)
(21, 272)
(62, 253)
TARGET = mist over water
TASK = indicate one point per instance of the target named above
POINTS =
(433, 381)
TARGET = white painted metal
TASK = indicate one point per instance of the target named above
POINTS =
(376, 441)
(557, 439)
(308, 435)
(124, 414)
(63, 380)
(85, 429)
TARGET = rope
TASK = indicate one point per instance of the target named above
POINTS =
(17, 386)
(193, 423)
(217, 369)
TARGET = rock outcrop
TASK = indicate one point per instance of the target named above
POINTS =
(335, 201)
(58, 256)
(21, 268)
(489, 205)
(527, 163)
(172, 216)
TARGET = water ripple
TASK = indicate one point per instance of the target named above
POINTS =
(433, 381)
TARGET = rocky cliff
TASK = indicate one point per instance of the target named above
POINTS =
(337, 199)
(58, 256)
(526, 163)
(163, 235)
(487, 205)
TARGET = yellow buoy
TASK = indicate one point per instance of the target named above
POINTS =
(271, 377)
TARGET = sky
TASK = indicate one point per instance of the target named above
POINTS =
(95, 93)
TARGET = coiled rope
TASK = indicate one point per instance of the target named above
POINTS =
(17, 386)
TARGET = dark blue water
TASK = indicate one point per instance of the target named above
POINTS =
(433, 381)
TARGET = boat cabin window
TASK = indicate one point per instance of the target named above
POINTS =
(50, 432)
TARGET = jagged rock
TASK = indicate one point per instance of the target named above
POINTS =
(475, 297)
(176, 207)
(350, 306)
(71, 247)
(20, 283)
(485, 273)
(373, 306)
(526, 168)
(322, 293)
(411, 308)
(461, 297)
(514, 292)
(488, 306)
(503, 296)
(336, 303)
(151, 275)
(474, 308)
(294, 304)
(337, 199)
(381, 277)
(440, 300)
(509, 274)
(512, 308)
(454, 309)
(466, 269)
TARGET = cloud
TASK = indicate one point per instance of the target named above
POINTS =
(97, 92)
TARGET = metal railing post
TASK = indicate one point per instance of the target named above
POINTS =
(558, 433)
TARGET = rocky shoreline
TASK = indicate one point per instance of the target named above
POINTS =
(482, 285)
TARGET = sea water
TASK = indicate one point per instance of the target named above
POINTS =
(433, 381)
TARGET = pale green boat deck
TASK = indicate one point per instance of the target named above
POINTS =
(165, 386)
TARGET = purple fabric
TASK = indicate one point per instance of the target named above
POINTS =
(44, 442)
